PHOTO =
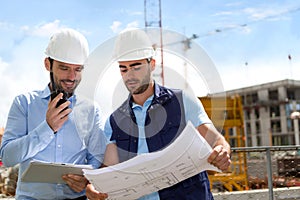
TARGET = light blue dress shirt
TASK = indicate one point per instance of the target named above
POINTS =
(194, 112)
(28, 137)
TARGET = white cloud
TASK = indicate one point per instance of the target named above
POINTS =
(47, 29)
(222, 13)
(134, 24)
(115, 27)
(25, 70)
(136, 13)
(3, 65)
(5, 100)
(261, 13)
(131, 13)
(233, 4)
(5, 26)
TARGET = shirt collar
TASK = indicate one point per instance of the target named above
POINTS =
(46, 92)
(147, 103)
(161, 94)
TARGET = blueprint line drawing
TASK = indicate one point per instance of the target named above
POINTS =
(150, 172)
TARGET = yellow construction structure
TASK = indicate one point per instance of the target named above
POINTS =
(227, 115)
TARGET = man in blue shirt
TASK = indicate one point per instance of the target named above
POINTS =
(152, 117)
(55, 125)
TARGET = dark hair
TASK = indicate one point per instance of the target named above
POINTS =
(51, 63)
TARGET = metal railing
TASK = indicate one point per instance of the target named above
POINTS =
(288, 151)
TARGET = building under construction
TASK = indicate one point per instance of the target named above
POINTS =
(254, 117)
(267, 110)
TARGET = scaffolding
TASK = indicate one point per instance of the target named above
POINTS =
(227, 115)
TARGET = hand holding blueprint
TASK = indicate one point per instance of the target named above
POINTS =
(147, 173)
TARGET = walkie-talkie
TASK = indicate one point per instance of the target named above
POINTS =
(62, 100)
(56, 91)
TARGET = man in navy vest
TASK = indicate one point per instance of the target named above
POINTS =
(152, 117)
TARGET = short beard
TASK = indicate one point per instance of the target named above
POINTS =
(70, 92)
(145, 84)
(141, 89)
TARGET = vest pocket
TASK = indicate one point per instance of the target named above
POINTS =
(123, 141)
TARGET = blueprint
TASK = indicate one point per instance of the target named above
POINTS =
(147, 173)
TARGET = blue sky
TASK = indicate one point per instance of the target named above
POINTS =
(248, 40)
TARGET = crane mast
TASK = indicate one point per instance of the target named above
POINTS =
(152, 11)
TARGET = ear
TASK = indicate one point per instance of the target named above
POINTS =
(47, 64)
(152, 64)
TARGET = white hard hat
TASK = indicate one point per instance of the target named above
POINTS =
(68, 46)
(133, 44)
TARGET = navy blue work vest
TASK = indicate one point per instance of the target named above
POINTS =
(164, 122)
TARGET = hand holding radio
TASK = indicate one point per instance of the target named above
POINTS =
(58, 110)
(62, 100)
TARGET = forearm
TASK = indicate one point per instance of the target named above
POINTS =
(220, 155)
(111, 155)
(210, 134)
(18, 147)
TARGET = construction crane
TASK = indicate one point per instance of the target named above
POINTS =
(226, 114)
(152, 10)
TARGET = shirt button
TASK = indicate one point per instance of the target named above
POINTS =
(59, 146)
